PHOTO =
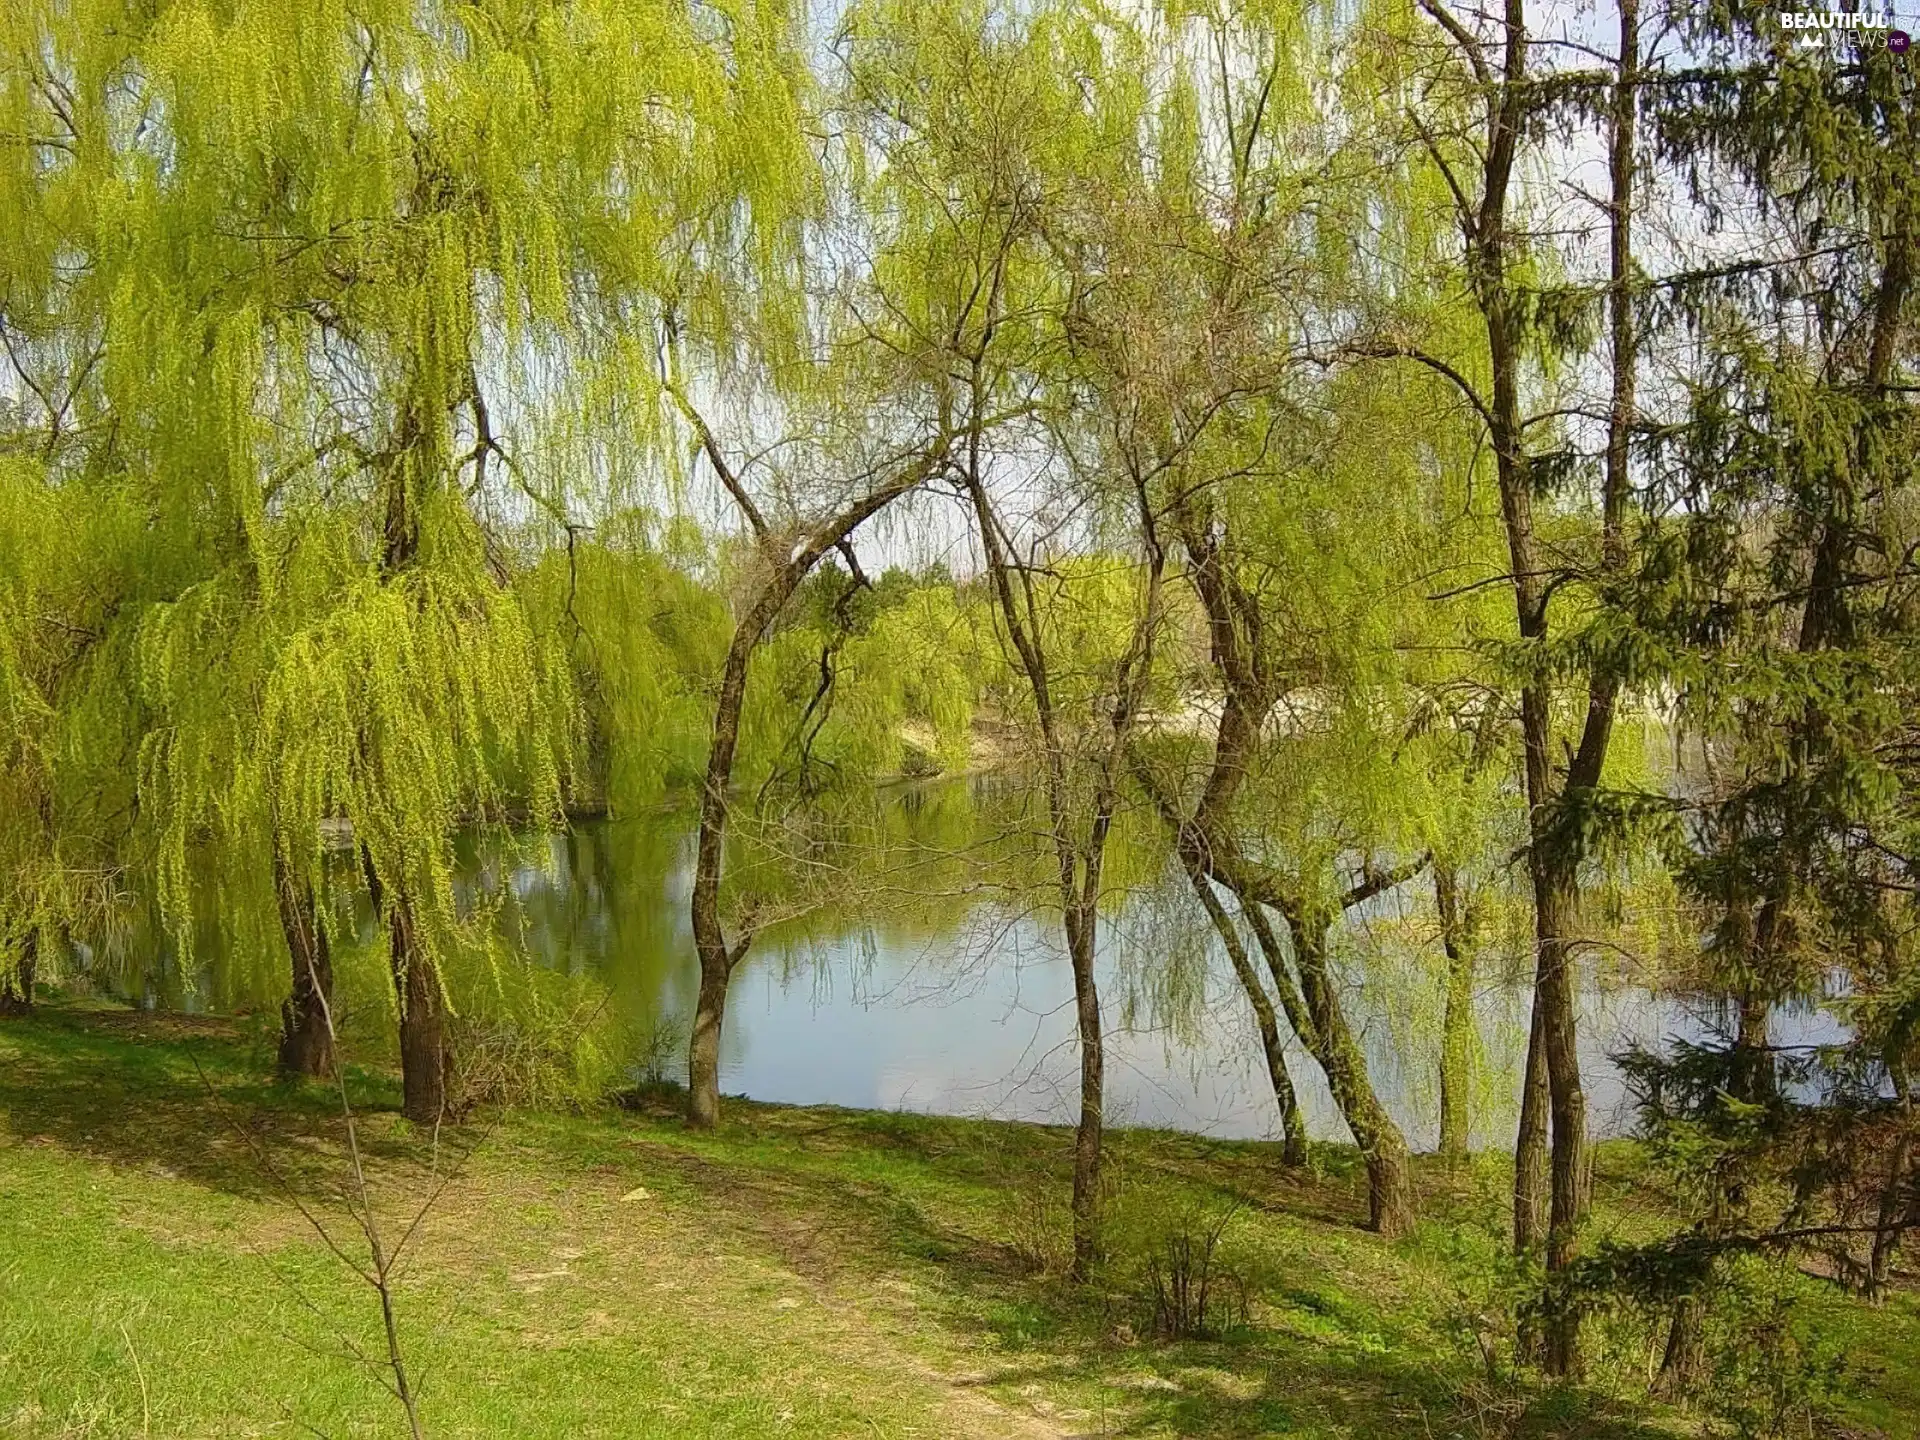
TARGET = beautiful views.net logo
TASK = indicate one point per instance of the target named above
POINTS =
(1860, 29)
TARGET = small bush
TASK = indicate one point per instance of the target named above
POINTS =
(549, 1044)
(1177, 1248)
(1039, 1224)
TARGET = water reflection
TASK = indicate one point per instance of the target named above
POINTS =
(947, 991)
(909, 962)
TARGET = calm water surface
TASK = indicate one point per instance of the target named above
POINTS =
(929, 976)
(959, 1001)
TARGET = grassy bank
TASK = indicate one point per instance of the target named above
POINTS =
(801, 1272)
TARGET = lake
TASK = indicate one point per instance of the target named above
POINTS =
(918, 967)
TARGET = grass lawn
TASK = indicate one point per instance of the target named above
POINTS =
(800, 1272)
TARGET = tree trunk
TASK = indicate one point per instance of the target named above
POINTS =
(703, 1050)
(1382, 1146)
(1292, 1124)
(1530, 1145)
(1890, 1225)
(709, 936)
(717, 958)
(424, 1059)
(1088, 1134)
(1752, 1062)
(1571, 1178)
(1456, 1026)
(16, 988)
(306, 1031)
(1896, 1204)
(1685, 1356)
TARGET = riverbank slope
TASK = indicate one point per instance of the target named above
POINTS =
(801, 1272)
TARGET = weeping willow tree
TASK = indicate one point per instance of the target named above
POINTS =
(70, 556)
(374, 294)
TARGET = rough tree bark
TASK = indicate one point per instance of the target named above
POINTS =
(425, 1061)
(1530, 1140)
(306, 1039)
(1389, 1182)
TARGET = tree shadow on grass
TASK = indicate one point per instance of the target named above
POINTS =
(184, 1095)
(843, 1198)
(814, 1202)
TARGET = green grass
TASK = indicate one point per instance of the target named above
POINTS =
(800, 1272)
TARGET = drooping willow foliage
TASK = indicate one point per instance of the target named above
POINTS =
(320, 303)
(422, 419)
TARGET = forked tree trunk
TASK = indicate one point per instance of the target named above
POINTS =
(1080, 864)
(1245, 669)
(16, 987)
(1314, 1008)
(1456, 1025)
(718, 959)
(1292, 1124)
(306, 1036)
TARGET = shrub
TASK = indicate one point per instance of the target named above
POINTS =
(544, 1042)
(1040, 1224)
(1177, 1249)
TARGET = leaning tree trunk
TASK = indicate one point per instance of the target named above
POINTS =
(1292, 1124)
(16, 987)
(1382, 1146)
(306, 1029)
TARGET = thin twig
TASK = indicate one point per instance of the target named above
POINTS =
(146, 1409)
